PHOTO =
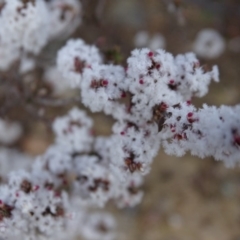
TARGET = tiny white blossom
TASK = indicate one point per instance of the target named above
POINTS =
(10, 132)
(209, 44)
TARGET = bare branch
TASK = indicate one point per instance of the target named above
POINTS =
(56, 102)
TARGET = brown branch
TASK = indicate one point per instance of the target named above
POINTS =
(56, 102)
(99, 9)
(31, 110)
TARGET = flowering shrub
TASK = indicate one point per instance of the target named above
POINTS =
(27, 26)
(53, 196)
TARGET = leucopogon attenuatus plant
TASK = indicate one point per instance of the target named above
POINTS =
(53, 196)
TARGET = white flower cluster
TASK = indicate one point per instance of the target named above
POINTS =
(73, 131)
(74, 58)
(160, 87)
(94, 169)
(27, 26)
(143, 39)
(53, 77)
(209, 131)
(209, 44)
(11, 160)
(10, 132)
(34, 203)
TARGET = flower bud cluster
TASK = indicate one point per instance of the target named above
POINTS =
(27, 26)
(34, 203)
(157, 89)
(209, 131)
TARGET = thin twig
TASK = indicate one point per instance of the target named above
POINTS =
(99, 9)
(34, 113)
(56, 102)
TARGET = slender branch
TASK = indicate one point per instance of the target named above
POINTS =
(56, 102)
(99, 9)
(35, 114)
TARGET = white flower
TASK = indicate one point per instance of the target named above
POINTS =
(11, 160)
(154, 42)
(99, 226)
(26, 27)
(53, 76)
(74, 58)
(73, 131)
(157, 41)
(209, 44)
(141, 39)
(10, 132)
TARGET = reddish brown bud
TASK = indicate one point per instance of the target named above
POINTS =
(141, 81)
(104, 83)
(237, 140)
(26, 186)
(150, 54)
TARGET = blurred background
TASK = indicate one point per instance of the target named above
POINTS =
(185, 198)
